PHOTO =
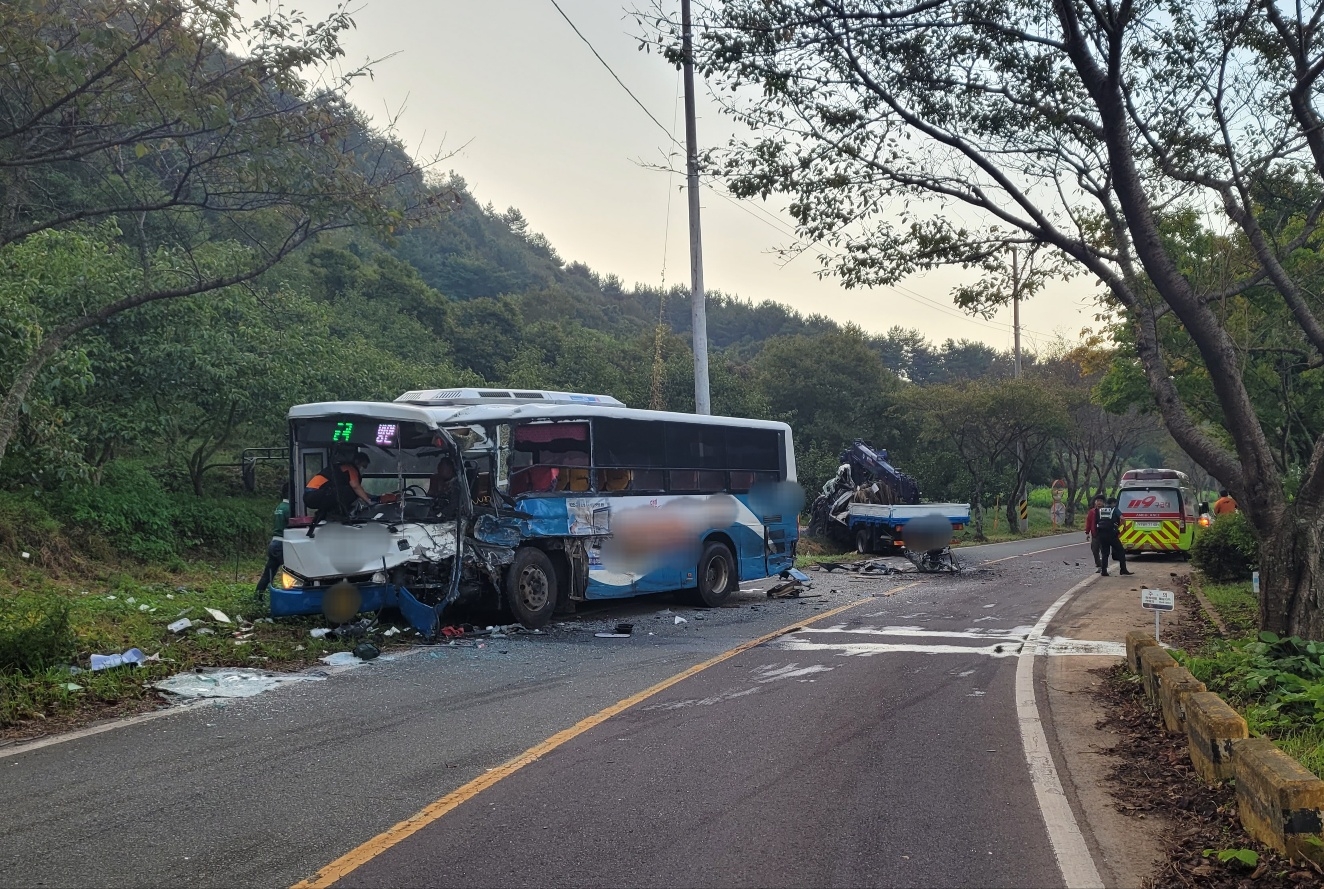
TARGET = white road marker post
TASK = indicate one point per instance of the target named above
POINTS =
(1157, 601)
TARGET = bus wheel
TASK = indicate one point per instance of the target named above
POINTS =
(531, 587)
(717, 574)
(863, 545)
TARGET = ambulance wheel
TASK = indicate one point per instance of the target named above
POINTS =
(717, 575)
(863, 542)
(531, 590)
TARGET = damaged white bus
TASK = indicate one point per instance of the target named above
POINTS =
(527, 500)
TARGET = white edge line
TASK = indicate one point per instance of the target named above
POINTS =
(111, 726)
(1033, 553)
(1073, 855)
(173, 709)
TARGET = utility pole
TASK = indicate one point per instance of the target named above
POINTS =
(698, 307)
(1022, 504)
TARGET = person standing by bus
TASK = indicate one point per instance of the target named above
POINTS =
(1224, 504)
(1106, 527)
(1092, 529)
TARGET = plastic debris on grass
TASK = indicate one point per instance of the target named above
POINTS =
(180, 625)
(229, 682)
(218, 616)
(133, 657)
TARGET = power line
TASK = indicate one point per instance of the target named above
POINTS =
(743, 204)
(641, 105)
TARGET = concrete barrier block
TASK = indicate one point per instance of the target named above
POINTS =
(1135, 641)
(1153, 659)
(1281, 803)
(1211, 727)
(1174, 684)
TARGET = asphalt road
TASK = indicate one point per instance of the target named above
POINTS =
(861, 749)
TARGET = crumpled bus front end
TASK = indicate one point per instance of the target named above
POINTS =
(347, 569)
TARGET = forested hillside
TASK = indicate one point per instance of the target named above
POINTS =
(164, 300)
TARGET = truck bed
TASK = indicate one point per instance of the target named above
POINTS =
(877, 513)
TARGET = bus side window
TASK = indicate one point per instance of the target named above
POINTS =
(697, 481)
(649, 480)
(741, 481)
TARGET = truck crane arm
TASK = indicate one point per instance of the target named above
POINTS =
(869, 464)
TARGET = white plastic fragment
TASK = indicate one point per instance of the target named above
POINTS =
(206, 631)
(341, 659)
(72, 686)
(218, 616)
(106, 661)
(180, 625)
(131, 600)
(681, 620)
(27, 555)
(144, 607)
(390, 631)
(319, 633)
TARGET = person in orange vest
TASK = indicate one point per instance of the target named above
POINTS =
(339, 486)
(1224, 504)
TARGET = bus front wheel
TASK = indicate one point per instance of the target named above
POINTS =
(531, 587)
(717, 574)
(863, 542)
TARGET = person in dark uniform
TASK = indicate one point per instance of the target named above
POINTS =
(1091, 529)
(1106, 527)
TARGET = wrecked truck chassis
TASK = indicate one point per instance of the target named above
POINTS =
(418, 568)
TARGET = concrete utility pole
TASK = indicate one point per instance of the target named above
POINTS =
(1022, 505)
(698, 307)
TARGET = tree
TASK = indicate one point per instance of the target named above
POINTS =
(911, 135)
(831, 389)
(216, 166)
(1095, 440)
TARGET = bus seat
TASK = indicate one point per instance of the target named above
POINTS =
(535, 479)
(481, 488)
(614, 479)
(573, 478)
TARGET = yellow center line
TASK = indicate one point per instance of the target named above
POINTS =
(356, 858)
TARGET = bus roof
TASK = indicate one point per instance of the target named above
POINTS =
(1159, 477)
(510, 412)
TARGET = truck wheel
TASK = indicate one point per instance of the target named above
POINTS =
(863, 541)
(531, 587)
(717, 574)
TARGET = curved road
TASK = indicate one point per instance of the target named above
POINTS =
(878, 742)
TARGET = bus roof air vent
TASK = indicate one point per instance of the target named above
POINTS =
(468, 396)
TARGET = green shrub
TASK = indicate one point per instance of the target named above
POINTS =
(224, 524)
(129, 508)
(1227, 550)
(34, 633)
(24, 522)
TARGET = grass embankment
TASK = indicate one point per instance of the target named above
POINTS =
(1040, 525)
(66, 593)
(1276, 684)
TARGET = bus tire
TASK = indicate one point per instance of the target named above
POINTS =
(863, 542)
(717, 574)
(531, 589)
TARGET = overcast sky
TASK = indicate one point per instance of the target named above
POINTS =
(536, 122)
